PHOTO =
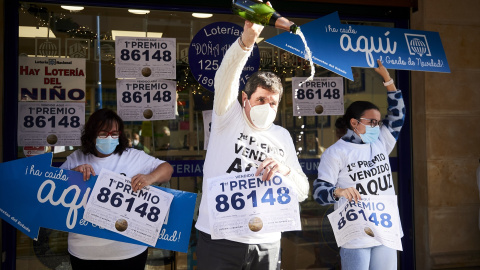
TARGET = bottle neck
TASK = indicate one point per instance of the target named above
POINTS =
(283, 23)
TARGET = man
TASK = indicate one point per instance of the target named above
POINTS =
(238, 129)
(136, 142)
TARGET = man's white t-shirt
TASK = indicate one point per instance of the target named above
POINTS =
(130, 163)
(236, 146)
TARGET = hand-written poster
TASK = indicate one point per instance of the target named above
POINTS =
(243, 204)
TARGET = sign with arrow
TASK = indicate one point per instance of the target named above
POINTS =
(339, 47)
(33, 194)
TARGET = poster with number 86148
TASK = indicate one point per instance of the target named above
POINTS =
(146, 100)
(114, 206)
(243, 204)
(50, 123)
(319, 96)
(145, 58)
(372, 217)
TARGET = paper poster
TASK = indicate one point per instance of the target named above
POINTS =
(145, 58)
(114, 206)
(243, 204)
(372, 217)
(51, 79)
(50, 123)
(320, 96)
(146, 99)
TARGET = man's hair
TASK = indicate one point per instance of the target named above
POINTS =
(103, 118)
(266, 80)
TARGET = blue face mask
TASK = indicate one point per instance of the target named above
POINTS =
(371, 134)
(107, 145)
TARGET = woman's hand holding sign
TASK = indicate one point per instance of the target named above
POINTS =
(349, 193)
(86, 170)
(140, 181)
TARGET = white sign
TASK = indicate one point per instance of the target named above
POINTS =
(51, 79)
(141, 100)
(243, 204)
(50, 123)
(320, 96)
(372, 217)
(207, 127)
(114, 206)
(145, 58)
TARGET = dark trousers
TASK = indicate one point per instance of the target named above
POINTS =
(229, 255)
(135, 263)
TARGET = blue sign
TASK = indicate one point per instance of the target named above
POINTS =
(208, 48)
(339, 47)
(33, 194)
(187, 168)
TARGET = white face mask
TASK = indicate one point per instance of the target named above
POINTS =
(262, 115)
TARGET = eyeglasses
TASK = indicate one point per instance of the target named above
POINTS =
(373, 122)
(104, 134)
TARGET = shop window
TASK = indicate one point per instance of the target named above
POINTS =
(90, 34)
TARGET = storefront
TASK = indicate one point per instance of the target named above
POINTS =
(90, 34)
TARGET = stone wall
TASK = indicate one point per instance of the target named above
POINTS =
(446, 139)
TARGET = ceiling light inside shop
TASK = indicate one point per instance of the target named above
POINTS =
(121, 33)
(33, 31)
(139, 11)
(202, 15)
(73, 8)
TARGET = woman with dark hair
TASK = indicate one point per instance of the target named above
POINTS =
(367, 137)
(105, 145)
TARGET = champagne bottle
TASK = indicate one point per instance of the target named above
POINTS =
(260, 13)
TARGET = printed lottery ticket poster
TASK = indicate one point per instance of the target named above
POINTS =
(145, 58)
(51, 79)
(207, 126)
(47, 123)
(138, 215)
(142, 100)
(242, 204)
(320, 96)
(373, 216)
(51, 92)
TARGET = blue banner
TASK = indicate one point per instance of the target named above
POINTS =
(339, 47)
(33, 194)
